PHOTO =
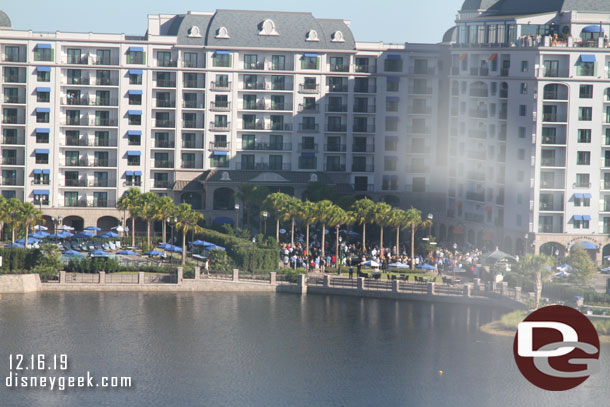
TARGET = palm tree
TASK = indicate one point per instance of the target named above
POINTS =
(536, 267)
(165, 209)
(129, 202)
(324, 210)
(307, 213)
(361, 213)
(278, 203)
(188, 219)
(336, 218)
(251, 196)
(3, 218)
(398, 220)
(381, 215)
(414, 220)
(28, 215)
(293, 211)
(147, 209)
(13, 210)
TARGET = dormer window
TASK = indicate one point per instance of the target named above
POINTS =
(194, 32)
(337, 37)
(312, 35)
(222, 33)
(267, 27)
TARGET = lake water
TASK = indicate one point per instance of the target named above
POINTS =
(272, 350)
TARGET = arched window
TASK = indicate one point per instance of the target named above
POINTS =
(267, 27)
(337, 37)
(224, 199)
(222, 33)
(312, 35)
(192, 198)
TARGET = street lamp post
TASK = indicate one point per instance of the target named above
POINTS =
(56, 221)
(430, 219)
(454, 259)
(265, 216)
(236, 216)
(172, 223)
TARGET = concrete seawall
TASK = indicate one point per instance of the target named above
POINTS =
(19, 283)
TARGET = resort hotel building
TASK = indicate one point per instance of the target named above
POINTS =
(501, 130)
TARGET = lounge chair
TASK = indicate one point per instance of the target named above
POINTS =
(118, 244)
(91, 247)
(106, 247)
(112, 246)
(97, 246)
(84, 247)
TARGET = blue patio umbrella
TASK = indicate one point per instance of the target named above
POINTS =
(425, 266)
(214, 247)
(83, 235)
(40, 235)
(30, 240)
(168, 247)
(93, 228)
(72, 253)
(40, 227)
(99, 253)
(127, 253)
(61, 235)
(154, 253)
(108, 235)
(202, 243)
(15, 245)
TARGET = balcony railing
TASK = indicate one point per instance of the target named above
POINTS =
(365, 68)
(339, 68)
(369, 128)
(308, 147)
(335, 148)
(166, 103)
(308, 108)
(166, 83)
(220, 86)
(363, 168)
(13, 140)
(14, 99)
(268, 146)
(13, 120)
(220, 106)
(160, 184)
(309, 88)
(74, 183)
(163, 164)
(165, 123)
(336, 128)
(14, 79)
(363, 148)
(102, 183)
(78, 80)
(190, 124)
(164, 144)
(337, 88)
(167, 63)
(418, 90)
(262, 166)
(336, 108)
(278, 126)
(334, 167)
(309, 128)
(259, 65)
(365, 89)
(220, 145)
(365, 108)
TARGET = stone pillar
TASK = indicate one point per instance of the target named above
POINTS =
(326, 281)
(477, 284)
(396, 286)
(431, 289)
(102, 277)
(302, 283)
(361, 283)
(492, 286)
(517, 293)
(467, 290)
(503, 288)
(62, 277)
(180, 276)
(272, 278)
(140, 277)
(197, 273)
(235, 275)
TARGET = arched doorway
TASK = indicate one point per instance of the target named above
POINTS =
(606, 254)
(553, 249)
(107, 222)
(192, 198)
(74, 221)
(224, 199)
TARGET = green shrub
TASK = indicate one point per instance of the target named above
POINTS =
(93, 265)
(16, 259)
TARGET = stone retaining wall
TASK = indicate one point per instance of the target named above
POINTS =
(19, 283)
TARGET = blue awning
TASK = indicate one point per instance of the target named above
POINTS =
(42, 89)
(393, 78)
(393, 57)
(43, 68)
(221, 220)
(583, 244)
(587, 58)
(137, 49)
(37, 171)
(134, 112)
(219, 52)
(577, 196)
(586, 217)
(220, 153)
(392, 99)
(137, 173)
(134, 153)
(41, 192)
(134, 133)
(43, 46)
(134, 92)
(308, 154)
(42, 130)
(587, 196)
(593, 29)
(577, 217)
(135, 72)
(310, 55)
(43, 110)
(128, 173)
(42, 151)
(46, 171)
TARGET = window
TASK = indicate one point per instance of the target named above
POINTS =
(278, 62)
(190, 60)
(134, 139)
(522, 132)
(135, 57)
(42, 138)
(278, 83)
(524, 66)
(42, 117)
(74, 56)
(102, 57)
(393, 63)
(309, 83)
(102, 139)
(247, 162)
(43, 54)
(135, 78)
(585, 68)
(391, 123)
(43, 97)
(42, 157)
(222, 81)
(583, 158)
(190, 80)
(221, 161)
(586, 91)
(41, 199)
(584, 135)
(188, 160)
(135, 99)
(250, 61)
(585, 113)
(582, 181)
(336, 64)
(103, 78)
(310, 61)
(70, 198)
(391, 105)
(100, 159)
(43, 76)
(11, 54)
(521, 154)
(221, 59)
(100, 179)
(189, 100)
(134, 119)
(164, 58)
(133, 159)
(551, 69)
(523, 88)
(389, 164)
(522, 110)
(392, 84)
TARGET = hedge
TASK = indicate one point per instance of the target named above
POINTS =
(16, 259)
(248, 256)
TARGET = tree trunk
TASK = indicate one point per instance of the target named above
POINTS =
(277, 230)
(381, 241)
(13, 234)
(133, 231)
(364, 237)
(323, 238)
(307, 246)
(538, 288)
(337, 249)
(148, 227)
(397, 241)
(413, 246)
(164, 231)
(292, 233)
(27, 227)
(184, 231)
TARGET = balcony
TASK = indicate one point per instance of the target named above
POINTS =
(475, 196)
(339, 88)
(76, 101)
(478, 113)
(549, 206)
(166, 103)
(78, 80)
(308, 147)
(252, 125)
(164, 144)
(101, 203)
(253, 85)
(309, 128)
(11, 161)
(263, 166)
(304, 88)
(339, 68)
(192, 84)
(272, 147)
(219, 146)
(191, 124)
(336, 128)
(13, 140)
(160, 184)
(581, 185)
(77, 60)
(335, 148)
(14, 99)
(279, 106)
(70, 203)
(336, 108)
(105, 82)
(278, 126)
(363, 168)
(429, 71)
(167, 63)
(363, 148)
(220, 106)
(190, 164)
(420, 130)
(220, 86)
(10, 119)
(74, 142)
(163, 164)
(365, 68)
(278, 86)
(308, 108)
(103, 122)
(19, 57)
(365, 89)
(258, 66)
(190, 144)
(102, 183)
(165, 83)
(14, 79)
(365, 108)
(70, 183)
(420, 90)
(9, 181)
(165, 123)
(102, 163)
(369, 128)
(334, 167)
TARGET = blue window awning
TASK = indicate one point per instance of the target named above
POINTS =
(583, 244)
(46, 171)
(393, 78)
(37, 171)
(135, 72)
(134, 153)
(129, 173)
(43, 110)
(41, 192)
(134, 112)
(137, 173)
(392, 99)
(220, 153)
(219, 52)
(134, 92)
(43, 46)
(587, 195)
(42, 89)
(43, 69)
(134, 133)
(577, 195)
(587, 58)
(136, 49)
(308, 154)
(42, 151)
(593, 29)
(310, 55)
(577, 217)
(586, 217)
(393, 57)
(42, 130)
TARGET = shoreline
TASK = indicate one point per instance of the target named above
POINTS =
(496, 328)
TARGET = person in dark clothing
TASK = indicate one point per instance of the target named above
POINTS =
(351, 272)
